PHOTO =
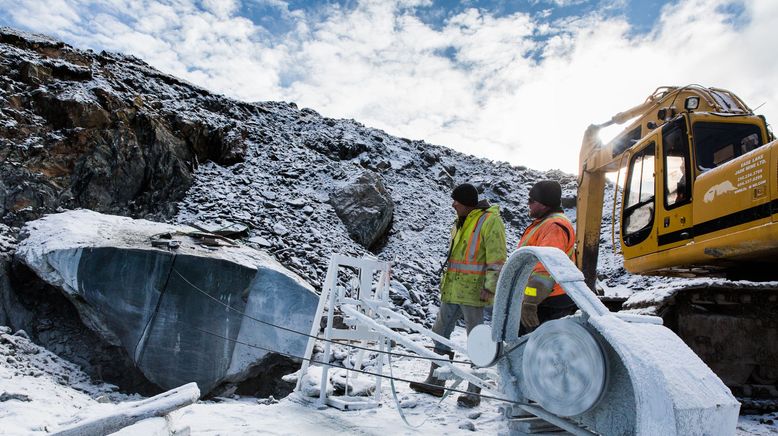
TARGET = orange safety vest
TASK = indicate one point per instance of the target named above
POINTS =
(539, 230)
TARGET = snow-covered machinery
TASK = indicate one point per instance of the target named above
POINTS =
(608, 373)
(596, 372)
(697, 199)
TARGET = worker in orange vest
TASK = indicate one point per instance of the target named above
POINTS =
(544, 299)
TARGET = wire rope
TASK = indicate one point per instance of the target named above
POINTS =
(358, 347)
(333, 365)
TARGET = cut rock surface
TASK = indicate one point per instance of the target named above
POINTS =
(185, 308)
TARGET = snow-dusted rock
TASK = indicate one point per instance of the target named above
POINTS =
(84, 131)
(365, 207)
(310, 386)
(353, 384)
(183, 309)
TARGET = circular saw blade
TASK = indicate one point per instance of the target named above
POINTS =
(564, 368)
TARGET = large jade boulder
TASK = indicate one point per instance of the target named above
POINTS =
(186, 306)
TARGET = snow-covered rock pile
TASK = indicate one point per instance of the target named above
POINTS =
(39, 390)
(22, 357)
(110, 133)
(284, 190)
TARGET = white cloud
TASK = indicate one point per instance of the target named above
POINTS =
(220, 8)
(480, 84)
(43, 17)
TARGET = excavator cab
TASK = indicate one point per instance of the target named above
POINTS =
(696, 195)
(699, 198)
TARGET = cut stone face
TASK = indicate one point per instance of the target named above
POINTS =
(192, 313)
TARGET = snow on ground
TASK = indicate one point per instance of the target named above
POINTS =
(40, 392)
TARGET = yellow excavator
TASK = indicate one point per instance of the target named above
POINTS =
(698, 198)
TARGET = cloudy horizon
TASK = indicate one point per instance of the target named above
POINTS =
(509, 81)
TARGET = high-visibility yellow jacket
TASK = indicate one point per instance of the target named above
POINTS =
(553, 230)
(476, 254)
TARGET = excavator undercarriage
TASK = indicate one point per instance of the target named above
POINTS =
(734, 329)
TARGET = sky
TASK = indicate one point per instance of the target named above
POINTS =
(515, 81)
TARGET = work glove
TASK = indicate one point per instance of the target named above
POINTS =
(529, 316)
(538, 289)
(486, 295)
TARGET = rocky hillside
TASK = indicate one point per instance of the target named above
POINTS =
(103, 131)
(108, 132)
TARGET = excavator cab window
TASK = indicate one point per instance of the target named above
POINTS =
(638, 216)
(626, 141)
(717, 143)
(676, 165)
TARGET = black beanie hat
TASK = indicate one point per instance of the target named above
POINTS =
(466, 194)
(547, 192)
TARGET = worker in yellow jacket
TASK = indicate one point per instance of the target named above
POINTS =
(544, 299)
(477, 252)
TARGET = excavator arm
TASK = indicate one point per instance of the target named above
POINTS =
(595, 160)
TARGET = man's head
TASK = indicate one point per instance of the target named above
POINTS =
(465, 199)
(544, 196)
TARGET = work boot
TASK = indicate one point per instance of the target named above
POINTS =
(470, 399)
(431, 385)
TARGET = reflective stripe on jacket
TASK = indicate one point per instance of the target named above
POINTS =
(477, 253)
(553, 230)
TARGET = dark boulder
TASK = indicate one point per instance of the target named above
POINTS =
(365, 207)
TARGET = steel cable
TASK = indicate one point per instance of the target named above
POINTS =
(243, 314)
(332, 365)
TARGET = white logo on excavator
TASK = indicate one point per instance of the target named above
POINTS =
(720, 189)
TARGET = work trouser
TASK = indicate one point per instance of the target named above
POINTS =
(552, 308)
(447, 319)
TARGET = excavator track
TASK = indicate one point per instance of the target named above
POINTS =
(733, 328)
(751, 406)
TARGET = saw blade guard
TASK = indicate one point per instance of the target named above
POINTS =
(605, 372)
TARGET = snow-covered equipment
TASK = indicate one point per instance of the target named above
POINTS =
(332, 296)
(595, 372)
(608, 373)
(369, 317)
(127, 414)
